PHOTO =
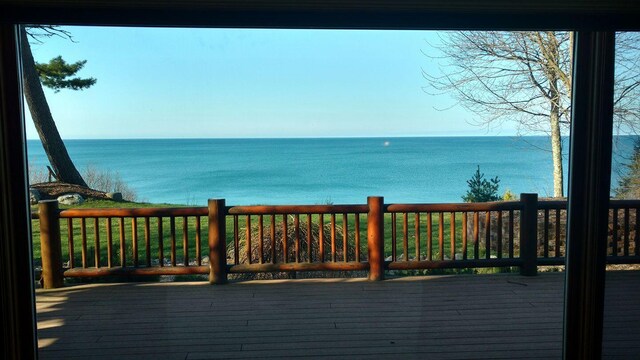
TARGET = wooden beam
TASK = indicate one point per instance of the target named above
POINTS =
(348, 14)
(16, 277)
(589, 182)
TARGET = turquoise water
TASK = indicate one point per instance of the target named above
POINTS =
(316, 171)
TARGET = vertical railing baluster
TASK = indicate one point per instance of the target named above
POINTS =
(626, 232)
(249, 239)
(429, 237)
(417, 235)
(476, 235)
(147, 241)
(637, 239)
(160, 243)
(185, 240)
(345, 234)
(309, 238)
(558, 235)
(236, 241)
(296, 225)
(452, 230)
(285, 238)
(261, 238)
(321, 237)
(464, 235)
(273, 238)
(393, 238)
(511, 234)
(487, 222)
(405, 236)
(123, 248)
(172, 230)
(109, 244)
(357, 223)
(134, 238)
(499, 234)
(441, 235)
(333, 237)
(546, 234)
(199, 245)
(96, 235)
(614, 234)
(83, 238)
(70, 243)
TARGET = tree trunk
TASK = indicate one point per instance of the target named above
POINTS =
(556, 153)
(556, 138)
(51, 141)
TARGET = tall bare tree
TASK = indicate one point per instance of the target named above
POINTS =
(56, 74)
(525, 77)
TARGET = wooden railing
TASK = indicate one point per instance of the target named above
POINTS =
(477, 236)
(624, 235)
(120, 241)
(551, 232)
(316, 237)
(218, 240)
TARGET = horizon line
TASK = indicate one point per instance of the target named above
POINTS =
(308, 137)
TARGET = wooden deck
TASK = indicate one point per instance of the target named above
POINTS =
(447, 317)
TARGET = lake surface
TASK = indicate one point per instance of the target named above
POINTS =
(317, 171)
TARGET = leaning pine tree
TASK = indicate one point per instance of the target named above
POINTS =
(56, 75)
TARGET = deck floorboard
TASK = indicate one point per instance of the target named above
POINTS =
(499, 316)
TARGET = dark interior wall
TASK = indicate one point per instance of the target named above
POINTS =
(347, 14)
(16, 281)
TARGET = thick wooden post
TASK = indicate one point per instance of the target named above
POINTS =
(529, 234)
(217, 242)
(375, 239)
(50, 248)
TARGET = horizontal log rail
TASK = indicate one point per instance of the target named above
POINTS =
(452, 264)
(337, 266)
(460, 207)
(296, 209)
(136, 271)
(134, 212)
(552, 204)
(375, 237)
(550, 261)
(619, 260)
(624, 203)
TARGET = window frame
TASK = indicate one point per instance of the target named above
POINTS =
(592, 20)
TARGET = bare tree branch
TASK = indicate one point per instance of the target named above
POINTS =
(525, 78)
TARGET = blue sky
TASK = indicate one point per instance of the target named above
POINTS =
(218, 83)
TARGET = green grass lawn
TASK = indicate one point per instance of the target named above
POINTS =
(154, 243)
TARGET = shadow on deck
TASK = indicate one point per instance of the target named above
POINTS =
(445, 317)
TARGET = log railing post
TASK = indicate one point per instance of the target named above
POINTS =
(529, 234)
(375, 237)
(217, 242)
(50, 247)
